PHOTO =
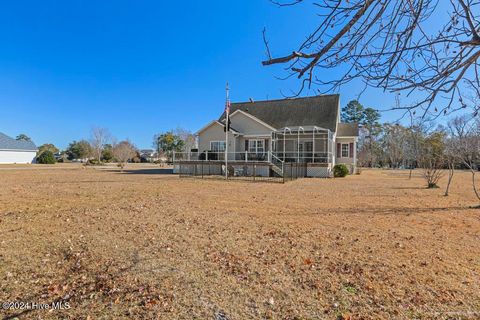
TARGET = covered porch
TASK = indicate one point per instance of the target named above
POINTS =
(308, 144)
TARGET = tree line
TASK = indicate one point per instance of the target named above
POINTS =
(102, 147)
(435, 149)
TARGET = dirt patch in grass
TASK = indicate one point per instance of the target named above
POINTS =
(122, 245)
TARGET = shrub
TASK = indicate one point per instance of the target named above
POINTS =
(46, 157)
(93, 162)
(107, 154)
(340, 171)
(432, 185)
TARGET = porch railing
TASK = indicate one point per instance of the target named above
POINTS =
(220, 156)
(304, 157)
(290, 156)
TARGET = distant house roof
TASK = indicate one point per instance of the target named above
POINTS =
(347, 130)
(8, 143)
(321, 111)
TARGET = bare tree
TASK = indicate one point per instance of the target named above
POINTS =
(431, 158)
(387, 45)
(124, 151)
(189, 139)
(414, 139)
(99, 137)
(466, 143)
(456, 131)
(393, 143)
(450, 160)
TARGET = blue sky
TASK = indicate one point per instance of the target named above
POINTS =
(141, 67)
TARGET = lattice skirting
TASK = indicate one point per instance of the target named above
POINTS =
(319, 171)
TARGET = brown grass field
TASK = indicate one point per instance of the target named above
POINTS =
(143, 245)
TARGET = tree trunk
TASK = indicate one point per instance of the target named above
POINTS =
(451, 171)
(473, 183)
(470, 165)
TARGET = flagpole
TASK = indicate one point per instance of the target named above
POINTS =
(227, 119)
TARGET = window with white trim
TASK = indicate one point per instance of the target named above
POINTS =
(256, 145)
(217, 146)
(345, 150)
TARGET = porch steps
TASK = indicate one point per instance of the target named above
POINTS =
(277, 170)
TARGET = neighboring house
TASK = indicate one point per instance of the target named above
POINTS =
(148, 155)
(302, 130)
(16, 151)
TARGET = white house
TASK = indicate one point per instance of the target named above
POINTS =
(16, 151)
(307, 131)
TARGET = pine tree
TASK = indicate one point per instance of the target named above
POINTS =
(353, 112)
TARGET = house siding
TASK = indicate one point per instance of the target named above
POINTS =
(214, 133)
(350, 161)
(247, 125)
(11, 156)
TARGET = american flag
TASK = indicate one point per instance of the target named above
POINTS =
(227, 107)
(227, 116)
(227, 112)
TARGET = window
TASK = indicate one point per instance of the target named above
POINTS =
(217, 146)
(256, 146)
(309, 146)
(345, 150)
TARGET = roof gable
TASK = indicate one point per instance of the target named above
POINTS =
(258, 122)
(8, 143)
(209, 125)
(321, 111)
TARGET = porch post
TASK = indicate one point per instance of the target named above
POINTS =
(298, 145)
(270, 149)
(274, 136)
(329, 146)
(332, 150)
(234, 147)
(354, 155)
(284, 130)
(313, 146)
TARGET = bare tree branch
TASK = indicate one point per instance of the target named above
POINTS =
(385, 45)
(280, 4)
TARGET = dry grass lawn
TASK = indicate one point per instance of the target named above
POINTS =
(143, 245)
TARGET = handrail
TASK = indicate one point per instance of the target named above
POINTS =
(277, 158)
(281, 167)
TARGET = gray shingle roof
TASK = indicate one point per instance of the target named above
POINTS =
(8, 143)
(321, 111)
(347, 130)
